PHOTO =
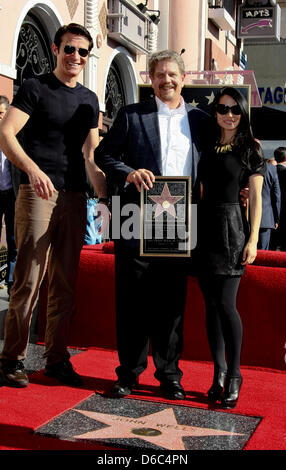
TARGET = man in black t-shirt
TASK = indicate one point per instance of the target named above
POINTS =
(59, 118)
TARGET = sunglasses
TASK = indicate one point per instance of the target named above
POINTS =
(71, 49)
(223, 109)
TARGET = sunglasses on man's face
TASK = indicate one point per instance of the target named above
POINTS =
(223, 109)
(71, 49)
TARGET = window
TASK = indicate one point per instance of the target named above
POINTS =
(34, 56)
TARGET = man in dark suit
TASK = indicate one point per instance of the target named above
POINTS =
(271, 201)
(162, 136)
(280, 157)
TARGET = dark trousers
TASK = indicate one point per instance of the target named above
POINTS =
(264, 238)
(150, 301)
(7, 208)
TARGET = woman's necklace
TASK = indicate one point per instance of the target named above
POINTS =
(223, 148)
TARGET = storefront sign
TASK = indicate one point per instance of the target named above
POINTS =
(258, 22)
(270, 95)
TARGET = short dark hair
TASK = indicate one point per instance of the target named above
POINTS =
(4, 100)
(280, 154)
(73, 28)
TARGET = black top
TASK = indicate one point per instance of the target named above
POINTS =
(222, 226)
(60, 120)
(223, 175)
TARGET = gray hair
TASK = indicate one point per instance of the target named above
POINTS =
(171, 56)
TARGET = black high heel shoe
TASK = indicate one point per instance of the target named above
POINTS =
(216, 389)
(231, 392)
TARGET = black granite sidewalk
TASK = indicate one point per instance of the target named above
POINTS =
(34, 360)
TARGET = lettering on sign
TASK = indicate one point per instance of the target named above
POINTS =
(261, 13)
(269, 95)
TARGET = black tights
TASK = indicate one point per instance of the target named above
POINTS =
(223, 323)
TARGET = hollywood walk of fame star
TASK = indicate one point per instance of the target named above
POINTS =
(165, 202)
(194, 103)
(160, 428)
(210, 98)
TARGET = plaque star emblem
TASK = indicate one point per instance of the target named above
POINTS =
(165, 202)
(160, 428)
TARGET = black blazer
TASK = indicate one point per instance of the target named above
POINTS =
(133, 142)
(281, 170)
(271, 198)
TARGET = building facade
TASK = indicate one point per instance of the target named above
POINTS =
(125, 32)
(267, 58)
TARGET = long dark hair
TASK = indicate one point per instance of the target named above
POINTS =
(244, 142)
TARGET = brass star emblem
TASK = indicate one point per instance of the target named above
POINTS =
(160, 428)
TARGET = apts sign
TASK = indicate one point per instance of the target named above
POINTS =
(258, 22)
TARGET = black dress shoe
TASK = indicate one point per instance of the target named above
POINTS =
(121, 389)
(64, 372)
(173, 390)
(216, 389)
(231, 392)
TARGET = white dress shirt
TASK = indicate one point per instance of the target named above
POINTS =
(176, 144)
(5, 176)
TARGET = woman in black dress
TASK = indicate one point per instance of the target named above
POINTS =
(226, 242)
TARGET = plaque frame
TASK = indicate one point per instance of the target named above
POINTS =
(169, 250)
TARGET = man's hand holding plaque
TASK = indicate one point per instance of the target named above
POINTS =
(141, 177)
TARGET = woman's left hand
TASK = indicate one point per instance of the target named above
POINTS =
(249, 253)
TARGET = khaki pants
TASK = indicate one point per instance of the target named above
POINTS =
(47, 233)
